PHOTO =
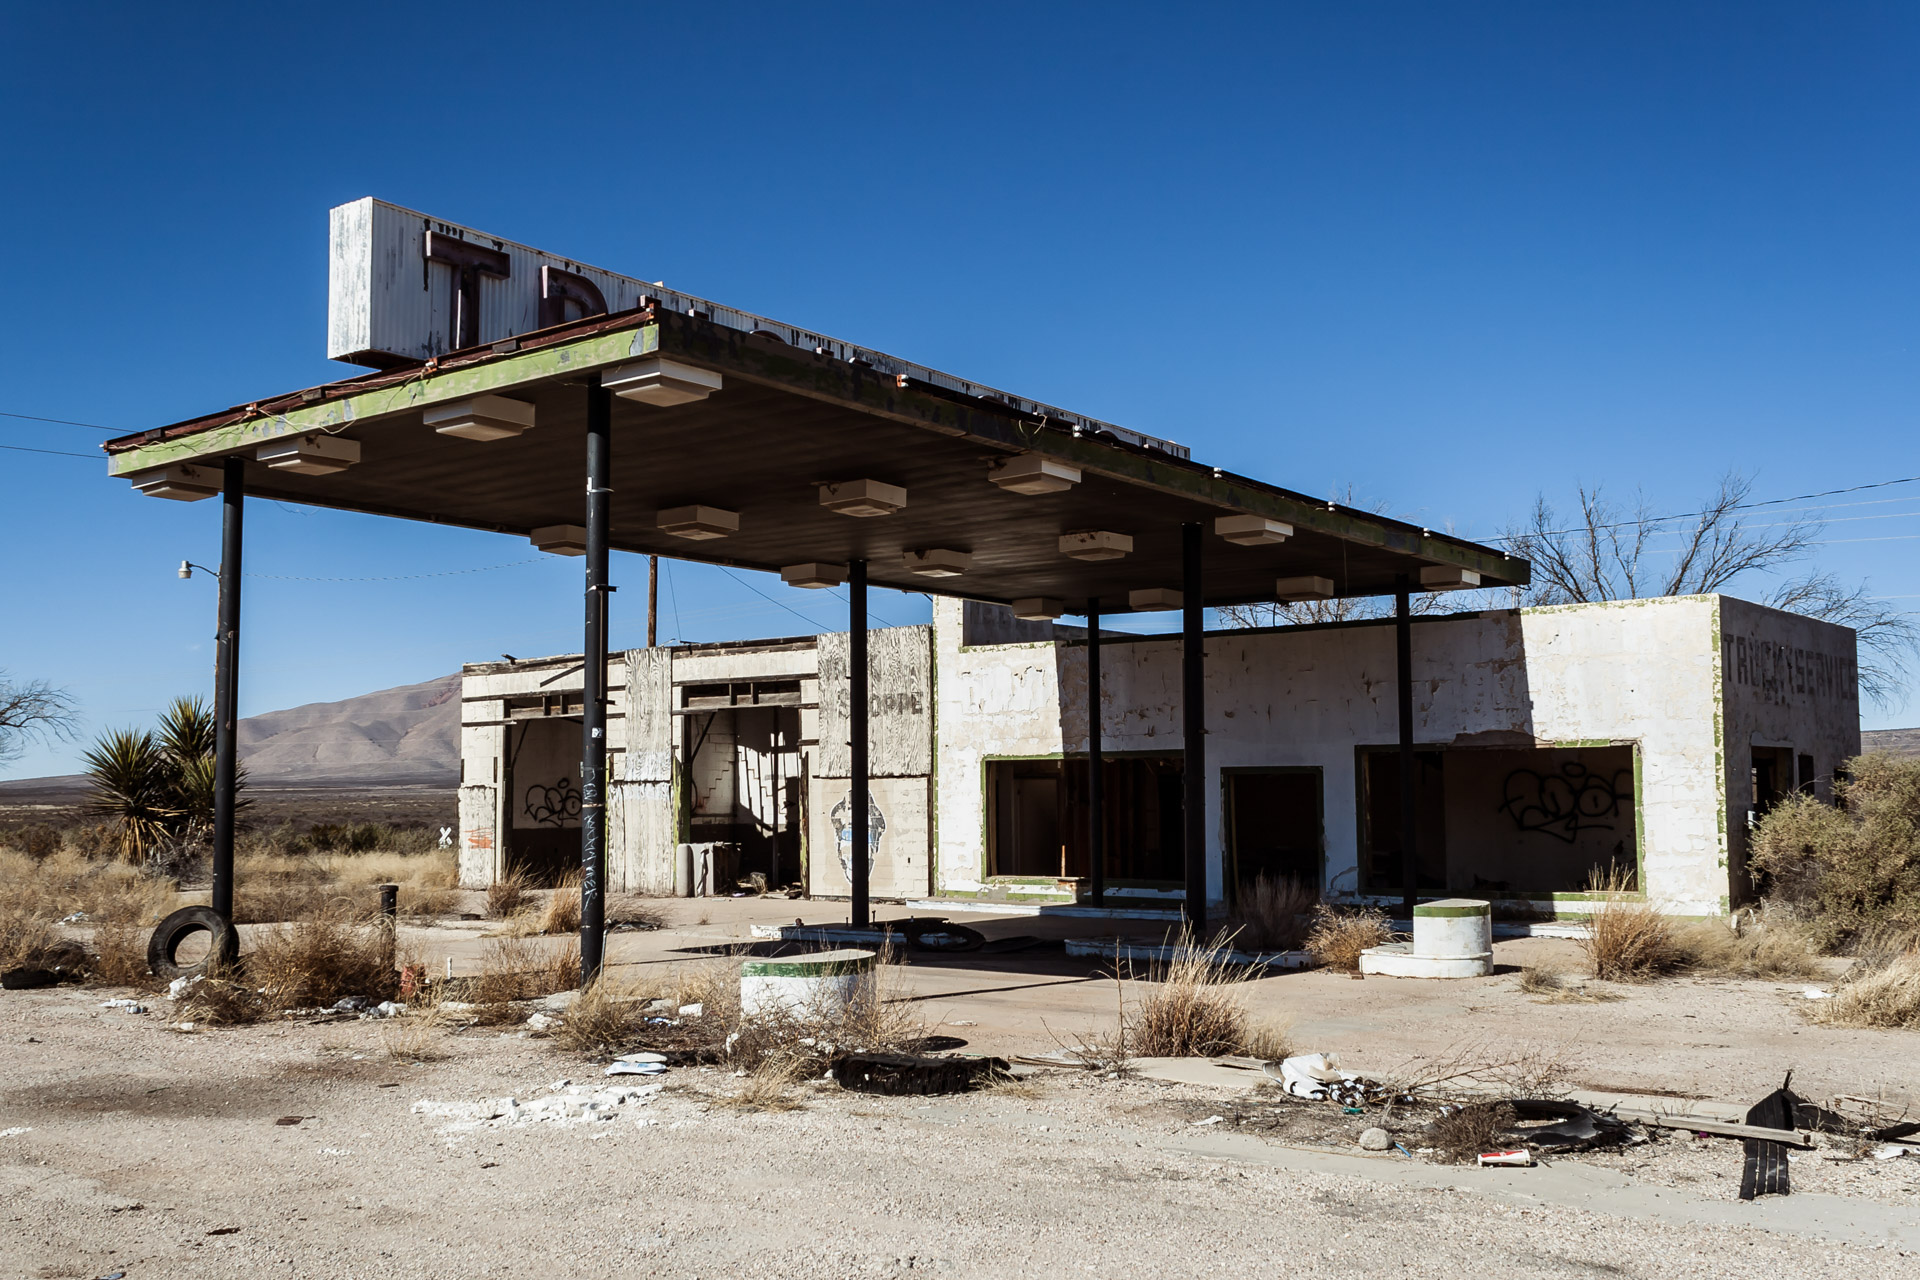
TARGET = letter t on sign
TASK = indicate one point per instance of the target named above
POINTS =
(469, 262)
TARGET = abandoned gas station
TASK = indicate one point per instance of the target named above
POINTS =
(1508, 752)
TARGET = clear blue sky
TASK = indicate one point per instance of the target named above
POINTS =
(1449, 254)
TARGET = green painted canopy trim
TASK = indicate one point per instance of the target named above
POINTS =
(841, 966)
(1449, 910)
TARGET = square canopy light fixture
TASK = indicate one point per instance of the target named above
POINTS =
(1252, 531)
(863, 497)
(1038, 608)
(1306, 587)
(660, 382)
(318, 454)
(481, 418)
(1032, 473)
(814, 575)
(1095, 544)
(1446, 577)
(1150, 598)
(697, 522)
(560, 539)
(937, 562)
(182, 482)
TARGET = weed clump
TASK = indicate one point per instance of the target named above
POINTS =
(1628, 939)
(1850, 867)
(1745, 949)
(1883, 988)
(1463, 1134)
(1338, 937)
(1197, 1006)
(1273, 914)
(1551, 984)
(506, 896)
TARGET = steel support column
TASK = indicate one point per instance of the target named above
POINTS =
(1194, 727)
(1403, 682)
(226, 682)
(858, 796)
(593, 711)
(1096, 767)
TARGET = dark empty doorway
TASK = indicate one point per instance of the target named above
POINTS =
(1273, 825)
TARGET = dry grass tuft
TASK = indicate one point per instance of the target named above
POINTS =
(559, 914)
(608, 1017)
(1881, 991)
(417, 1035)
(523, 969)
(1269, 1039)
(1196, 1008)
(221, 998)
(316, 962)
(1274, 914)
(878, 1020)
(1461, 1136)
(1627, 939)
(1770, 949)
(1551, 984)
(120, 956)
(506, 896)
(1339, 936)
(768, 1087)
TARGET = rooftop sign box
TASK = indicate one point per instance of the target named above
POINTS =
(403, 288)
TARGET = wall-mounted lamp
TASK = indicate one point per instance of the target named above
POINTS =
(187, 567)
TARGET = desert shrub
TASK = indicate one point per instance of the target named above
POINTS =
(1628, 939)
(320, 959)
(38, 840)
(1196, 1007)
(1883, 987)
(525, 969)
(24, 937)
(1750, 949)
(562, 913)
(1339, 936)
(1462, 1134)
(506, 895)
(119, 956)
(608, 1017)
(1273, 913)
(1851, 867)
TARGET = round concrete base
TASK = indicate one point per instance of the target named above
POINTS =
(1396, 960)
(820, 984)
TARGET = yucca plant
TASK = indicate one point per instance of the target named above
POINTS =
(134, 788)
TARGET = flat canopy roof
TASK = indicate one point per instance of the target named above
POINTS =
(787, 418)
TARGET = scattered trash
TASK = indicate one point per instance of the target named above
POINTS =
(693, 1010)
(351, 1004)
(1318, 1076)
(386, 1009)
(635, 1067)
(178, 988)
(187, 1028)
(1575, 1127)
(905, 1073)
(131, 1006)
(223, 1231)
(1765, 1170)
(292, 1120)
(14, 1132)
(542, 1022)
(75, 918)
(1816, 993)
(578, 1105)
(1519, 1157)
(1891, 1151)
(1375, 1139)
(1207, 1121)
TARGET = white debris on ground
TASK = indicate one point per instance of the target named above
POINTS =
(15, 1132)
(570, 1105)
(131, 1006)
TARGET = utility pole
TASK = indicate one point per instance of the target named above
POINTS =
(653, 601)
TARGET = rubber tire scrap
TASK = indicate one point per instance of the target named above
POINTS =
(163, 948)
(898, 1074)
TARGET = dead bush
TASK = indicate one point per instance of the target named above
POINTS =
(1628, 940)
(525, 969)
(506, 895)
(416, 1036)
(1750, 949)
(560, 914)
(1195, 1007)
(319, 961)
(120, 956)
(1339, 936)
(608, 1017)
(1274, 913)
(1850, 867)
(768, 1087)
(221, 997)
(1880, 991)
(1269, 1039)
(1462, 1135)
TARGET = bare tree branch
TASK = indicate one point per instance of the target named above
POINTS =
(33, 710)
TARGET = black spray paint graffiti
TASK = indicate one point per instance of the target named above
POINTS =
(554, 806)
(1566, 803)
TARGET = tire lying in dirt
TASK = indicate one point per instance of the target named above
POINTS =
(163, 949)
(943, 936)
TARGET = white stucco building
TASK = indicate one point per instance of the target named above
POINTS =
(1552, 743)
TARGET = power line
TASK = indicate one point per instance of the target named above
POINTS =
(399, 577)
(58, 453)
(65, 422)
(1692, 515)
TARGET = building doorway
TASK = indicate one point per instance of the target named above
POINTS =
(1274, 826)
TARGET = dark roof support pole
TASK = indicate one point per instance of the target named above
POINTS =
(1403, 682)
(859, 852)
(1193, 681)
(226, 683)
(1096, 767)
(593, 717)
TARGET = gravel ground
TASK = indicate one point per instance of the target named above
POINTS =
(132, 1147)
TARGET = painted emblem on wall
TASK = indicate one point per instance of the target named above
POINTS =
(554, 806)
(1562, 804)
(842, 818)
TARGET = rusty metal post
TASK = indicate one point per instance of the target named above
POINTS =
(1193, 681)
(226, 683)
(859, 795)
(593, 717)
(1096, 767)
(1403, 681)
(653, 601)
(390, 922)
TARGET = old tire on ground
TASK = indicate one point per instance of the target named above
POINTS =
(163, 948)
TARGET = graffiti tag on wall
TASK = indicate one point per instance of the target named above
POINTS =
(554, 806)
(1562, 804)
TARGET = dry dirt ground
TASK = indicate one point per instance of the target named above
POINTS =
(127, 1146)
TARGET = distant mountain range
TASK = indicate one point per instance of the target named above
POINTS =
(1895, 742)
(409, 736)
